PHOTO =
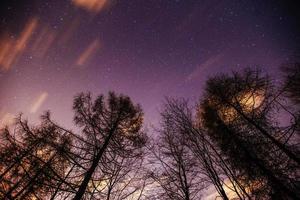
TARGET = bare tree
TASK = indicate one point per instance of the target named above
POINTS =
(118, 176)
(175, 172)
(212, 168)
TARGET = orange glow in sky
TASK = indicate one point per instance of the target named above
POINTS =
(90, 5)
(12, 48)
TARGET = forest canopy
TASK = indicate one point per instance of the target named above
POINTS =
(231, 140)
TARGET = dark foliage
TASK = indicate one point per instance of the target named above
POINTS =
(237, 112)
(233, 140)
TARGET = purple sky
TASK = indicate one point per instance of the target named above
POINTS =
(147, 49)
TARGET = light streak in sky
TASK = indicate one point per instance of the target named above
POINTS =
(44, 40)
(12, 48)
(209, 63)
(26, 34)
(69, 31)
(38, 102)
(88, 52)
(91, 5)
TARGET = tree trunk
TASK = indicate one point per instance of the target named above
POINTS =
(88, 175)
(281, 146)
(267, 173)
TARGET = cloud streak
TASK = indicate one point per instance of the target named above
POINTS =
(88, 52)
(207, 64)
(12, 48)
(38, 102)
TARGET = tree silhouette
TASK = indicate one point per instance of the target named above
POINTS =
(176, 171)
(290, 89)
(233, 140)
(101, 161)
(292, 81)
(32, 160)
(114, 125)
(212, 169)
(236, 111)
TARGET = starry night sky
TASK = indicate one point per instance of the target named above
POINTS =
(147, 49)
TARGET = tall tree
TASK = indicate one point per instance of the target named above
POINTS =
(236, 111)
(291, 83)
(291, 89)
(113, 125)
(32, 160)
(211, 167)
(51, 161)
(176, 172)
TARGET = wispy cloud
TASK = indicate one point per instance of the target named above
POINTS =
(38, 102)
(210, 62)
(88, 52)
